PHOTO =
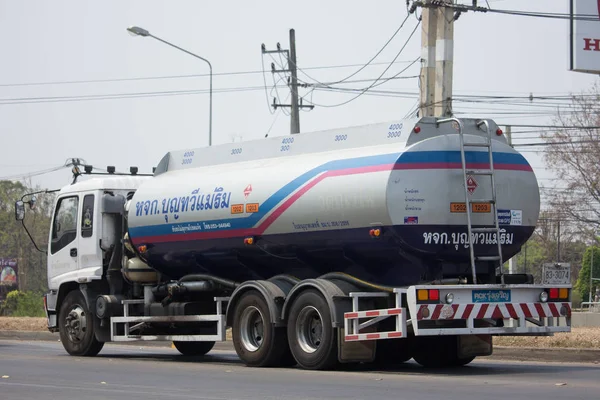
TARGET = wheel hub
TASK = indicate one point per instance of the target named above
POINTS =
(309, 329)
(252, 328)
(76, 324)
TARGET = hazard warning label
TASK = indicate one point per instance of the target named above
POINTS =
(247, 191)
(471, 184)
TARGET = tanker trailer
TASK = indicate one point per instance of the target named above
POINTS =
(378, 243)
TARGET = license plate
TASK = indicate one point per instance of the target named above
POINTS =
(491, 296)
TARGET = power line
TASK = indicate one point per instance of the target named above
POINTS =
(184, 76)
(368, 62)
(375, 83)
(465, 8)
(556, 143)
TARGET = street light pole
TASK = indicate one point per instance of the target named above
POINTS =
(137, 31)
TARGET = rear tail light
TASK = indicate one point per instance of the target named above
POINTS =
(428, 295)
(555, 294)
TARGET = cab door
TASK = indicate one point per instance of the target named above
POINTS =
(63, 255)
(88, 249)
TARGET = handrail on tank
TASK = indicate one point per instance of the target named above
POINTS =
(495, 206)
(464, 163)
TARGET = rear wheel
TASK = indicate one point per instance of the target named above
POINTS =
(76, 326)
(257, 341)
(194, 348)
(310, 331)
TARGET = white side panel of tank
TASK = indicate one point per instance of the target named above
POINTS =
(277, 195)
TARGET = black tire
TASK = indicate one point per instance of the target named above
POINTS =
(76, 325)
(194, 348)
(313, 343)
(255, 347)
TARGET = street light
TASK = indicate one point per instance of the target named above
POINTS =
(137, 31)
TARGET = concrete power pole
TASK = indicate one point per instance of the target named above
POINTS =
(295, 112)
(428, 43)
(292, 69)
(437, 50)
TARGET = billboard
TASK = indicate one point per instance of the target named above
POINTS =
(8, 274)
(585, 36)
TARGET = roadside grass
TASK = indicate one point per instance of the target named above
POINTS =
(580, 338)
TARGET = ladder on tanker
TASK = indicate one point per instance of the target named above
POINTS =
(468, 175)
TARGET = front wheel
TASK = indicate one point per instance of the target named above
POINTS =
(194, 348)
(76, 326)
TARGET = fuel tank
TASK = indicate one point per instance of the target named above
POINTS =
(384, 203)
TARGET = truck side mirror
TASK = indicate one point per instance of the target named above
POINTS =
(32, 202)
(19, 210)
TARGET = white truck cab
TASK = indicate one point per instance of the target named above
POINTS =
(81, 233)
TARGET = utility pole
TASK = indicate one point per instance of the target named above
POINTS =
(508, 132)
(428, 43)
(437, 53)
(295, 115)
(444, 54)
(292, 68)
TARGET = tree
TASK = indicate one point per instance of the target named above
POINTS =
(14, 242)
(573, 153)
(583, 282)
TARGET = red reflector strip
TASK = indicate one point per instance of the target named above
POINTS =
(482, 311)
(373, 336)
(467, 313)
(540, 310)
(511, 311)
(526, 310)
(554, 310)
(436, 313)
(373, 313)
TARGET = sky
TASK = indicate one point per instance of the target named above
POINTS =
(45, 118)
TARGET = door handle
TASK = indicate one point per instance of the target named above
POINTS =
(73, 252)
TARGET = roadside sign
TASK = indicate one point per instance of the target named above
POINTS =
(556, 273)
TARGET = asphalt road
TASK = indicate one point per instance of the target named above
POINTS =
(42, 370)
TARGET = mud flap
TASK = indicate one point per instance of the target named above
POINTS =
(474, 345)
(359, 351)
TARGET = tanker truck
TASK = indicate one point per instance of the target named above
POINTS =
(379, 243)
